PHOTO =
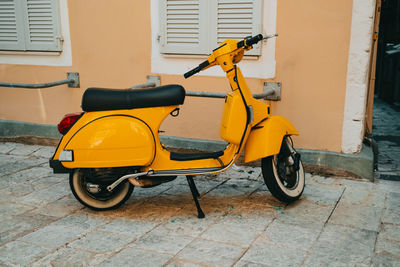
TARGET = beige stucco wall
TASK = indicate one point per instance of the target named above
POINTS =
(111, 47)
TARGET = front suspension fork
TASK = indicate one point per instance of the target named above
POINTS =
(288, 153)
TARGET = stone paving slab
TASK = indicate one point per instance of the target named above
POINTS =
(386, 132)
(102, 242)
(7, 147)
(67, 257)
(343, 246)
(128, 227)
(19, 253)
(133, 256)
(237, 233)
(53, 236)
(291, 235)
(267, 253)
(211, 253)
(21, 225)
(18, 163)
(357, 216)
(160, 241)
(24, 150)
(59, 208)
(188, 226)
(337, 221)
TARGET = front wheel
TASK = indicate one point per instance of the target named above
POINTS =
(284, 174)
(94, 194)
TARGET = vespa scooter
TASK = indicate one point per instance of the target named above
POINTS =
(114, 144)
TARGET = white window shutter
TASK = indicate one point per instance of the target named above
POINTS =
(184, 26)
(42, 25)
(237, 19)
(11, 25)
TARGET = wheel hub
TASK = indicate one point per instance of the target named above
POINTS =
(287, 171)
(93, 188)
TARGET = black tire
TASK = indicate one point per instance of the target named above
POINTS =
(104, 200)
(286, 187)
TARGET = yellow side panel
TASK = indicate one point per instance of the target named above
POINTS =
(112, 141)
(267, 139)
(234, 118)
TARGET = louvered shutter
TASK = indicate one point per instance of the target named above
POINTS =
(198, 26)
(29, 25)
(184, 26)
(11, 25)
(237, 19)
(42, 25)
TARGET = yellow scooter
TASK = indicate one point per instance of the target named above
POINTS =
(114, 144)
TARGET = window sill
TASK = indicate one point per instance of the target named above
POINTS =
(30, 53)
(202, 56)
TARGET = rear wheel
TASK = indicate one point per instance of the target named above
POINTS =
(94, 194)
(284, 174)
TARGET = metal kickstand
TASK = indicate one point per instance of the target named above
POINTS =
(195, 194)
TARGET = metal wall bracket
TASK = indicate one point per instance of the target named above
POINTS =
(275, 89)
(73, 79)
(152, 81)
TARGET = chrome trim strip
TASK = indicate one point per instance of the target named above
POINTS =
(193, 171)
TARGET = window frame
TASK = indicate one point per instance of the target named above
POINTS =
(38, 58)
(25, 34)
(208, 28)
(262, 67)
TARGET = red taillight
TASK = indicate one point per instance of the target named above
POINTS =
(67, 122)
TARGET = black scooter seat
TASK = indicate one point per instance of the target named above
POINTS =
(99, 99)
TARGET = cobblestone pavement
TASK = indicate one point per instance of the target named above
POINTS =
(337, 222)
(386, 132)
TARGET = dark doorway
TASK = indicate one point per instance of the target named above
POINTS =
(386, 114)
(387, 83)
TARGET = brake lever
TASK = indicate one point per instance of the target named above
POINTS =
(270, 36)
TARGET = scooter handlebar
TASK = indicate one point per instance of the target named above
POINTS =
(248, 41)
(196, 70)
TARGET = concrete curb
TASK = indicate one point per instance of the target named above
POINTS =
(361, 164)
(17, 128)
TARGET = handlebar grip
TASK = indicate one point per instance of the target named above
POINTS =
(191, 72)
(196, 70)
(254, 40)
(249, 41)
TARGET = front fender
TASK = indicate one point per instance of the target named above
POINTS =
(266, 138)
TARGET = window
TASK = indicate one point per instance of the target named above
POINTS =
(198, 26)
(177, 62)
(30, 25)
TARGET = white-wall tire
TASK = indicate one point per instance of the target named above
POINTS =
(114, 199)
(279, 188)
